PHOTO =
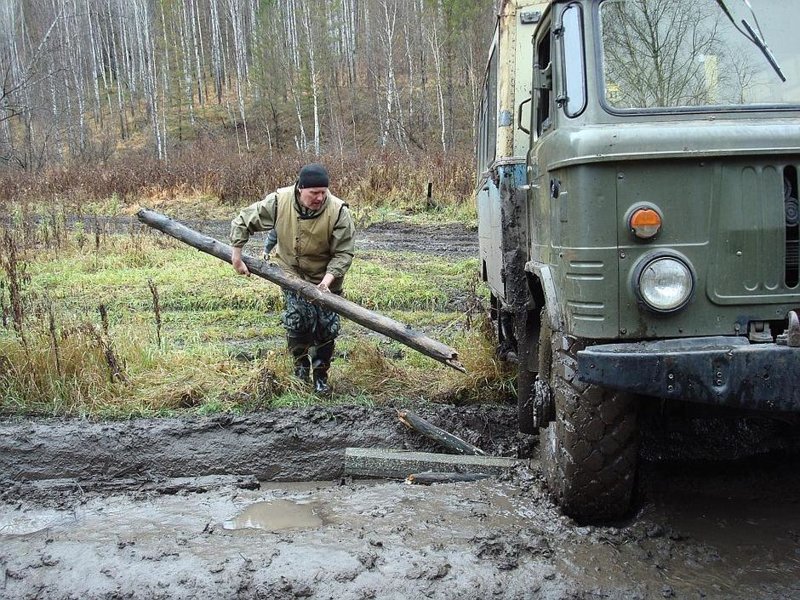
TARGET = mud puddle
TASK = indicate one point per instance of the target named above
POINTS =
(277, 515)
(724, 530)
(390, 540)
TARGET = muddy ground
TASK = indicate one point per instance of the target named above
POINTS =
(190, 508)
(257, 506)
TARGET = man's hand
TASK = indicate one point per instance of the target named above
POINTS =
(238, 264)
(323, 286)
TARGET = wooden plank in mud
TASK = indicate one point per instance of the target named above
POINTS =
(371, 462)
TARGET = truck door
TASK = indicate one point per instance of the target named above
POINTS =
(542, 112)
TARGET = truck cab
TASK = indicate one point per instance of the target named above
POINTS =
(638, 211)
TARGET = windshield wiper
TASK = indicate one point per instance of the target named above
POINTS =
(754, 35)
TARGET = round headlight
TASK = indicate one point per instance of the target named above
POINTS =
(665, 284)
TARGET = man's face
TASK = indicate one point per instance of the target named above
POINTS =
(313, 198)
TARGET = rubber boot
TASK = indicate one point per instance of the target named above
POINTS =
(302, 361)
(323, 354)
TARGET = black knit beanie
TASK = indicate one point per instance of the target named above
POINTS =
(313, 175)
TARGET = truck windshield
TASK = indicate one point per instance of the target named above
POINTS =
(689, 54)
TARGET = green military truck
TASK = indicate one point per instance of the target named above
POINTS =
(637, 198)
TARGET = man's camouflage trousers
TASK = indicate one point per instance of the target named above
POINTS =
(306, 321)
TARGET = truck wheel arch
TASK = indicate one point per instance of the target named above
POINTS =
(543, 292)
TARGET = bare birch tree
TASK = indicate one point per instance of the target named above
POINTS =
(236, 19)
(312, 66)
(436, 55)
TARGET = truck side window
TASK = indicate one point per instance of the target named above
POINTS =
(572, 55)
(542, 62)
(487, 124)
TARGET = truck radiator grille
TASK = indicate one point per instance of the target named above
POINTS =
(792, 209)
(756, 246)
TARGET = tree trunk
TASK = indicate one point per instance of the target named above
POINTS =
(369, 319)
(216, 51)
(237, 25)
(312, 63)
(436, 49)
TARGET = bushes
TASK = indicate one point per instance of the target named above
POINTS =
(215, 169)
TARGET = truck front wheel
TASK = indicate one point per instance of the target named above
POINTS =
(589, 452)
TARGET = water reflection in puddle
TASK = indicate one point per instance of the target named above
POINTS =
(31, 523)
(277, 515)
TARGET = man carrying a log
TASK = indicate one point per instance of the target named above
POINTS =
(315, 241)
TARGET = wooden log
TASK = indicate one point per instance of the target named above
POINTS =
(369, 319)
(430, 477)
(398, 464)
(438, 435)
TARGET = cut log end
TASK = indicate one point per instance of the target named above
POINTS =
(456, 364)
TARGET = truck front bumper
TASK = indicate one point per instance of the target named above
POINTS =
(728, 371)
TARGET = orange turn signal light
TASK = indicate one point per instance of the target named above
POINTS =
(645, 223)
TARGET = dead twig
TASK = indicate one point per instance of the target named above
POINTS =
(438, 435)
(156, 309)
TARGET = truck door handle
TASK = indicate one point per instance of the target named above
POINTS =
(519, 116)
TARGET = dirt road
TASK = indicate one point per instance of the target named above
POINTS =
(452, 239)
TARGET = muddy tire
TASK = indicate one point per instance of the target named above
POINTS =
(589, 453)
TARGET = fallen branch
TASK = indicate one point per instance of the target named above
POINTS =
(440, 436)
(429, 477)
(369, 319)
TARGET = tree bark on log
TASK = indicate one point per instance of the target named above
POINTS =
(438, 435)
(389, 327)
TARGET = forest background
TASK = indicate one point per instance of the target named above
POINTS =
(227, 97)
